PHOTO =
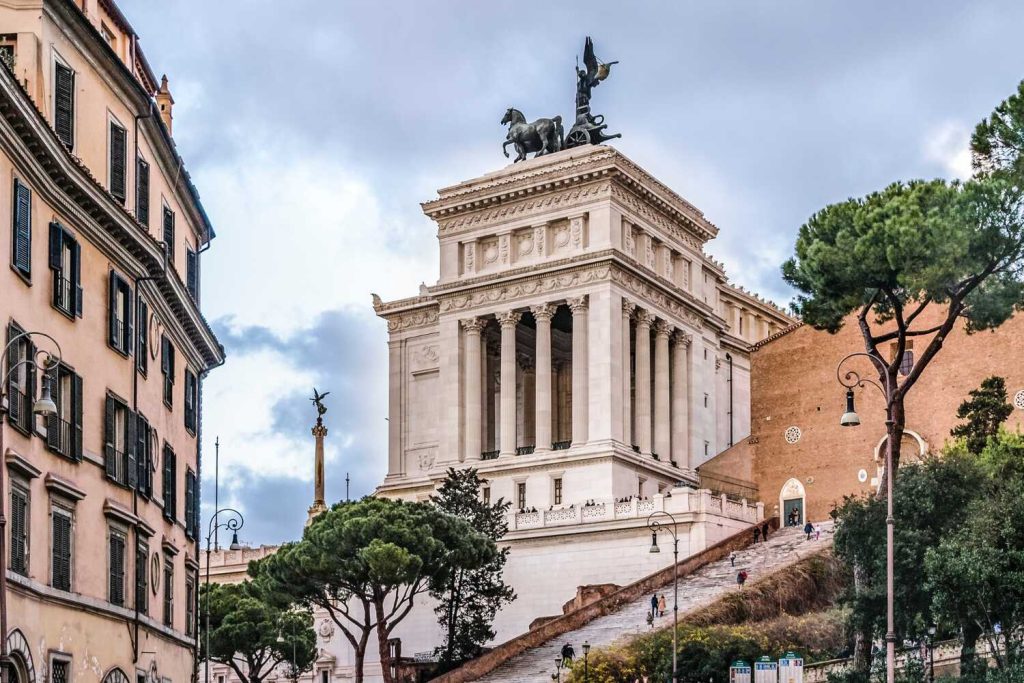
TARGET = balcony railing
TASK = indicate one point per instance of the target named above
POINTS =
(524, 450)
(489, 455)
(680, 501)
(58, 434)
(561, 445)
(63, 293)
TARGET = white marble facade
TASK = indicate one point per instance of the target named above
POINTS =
(578, 345)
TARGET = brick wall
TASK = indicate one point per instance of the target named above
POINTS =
(794, 384)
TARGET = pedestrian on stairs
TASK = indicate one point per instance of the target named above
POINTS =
(654, 606)
(732, 558)
(661, 605)
(808, 529)
(764, 532)
(741, 578)
(757, 534)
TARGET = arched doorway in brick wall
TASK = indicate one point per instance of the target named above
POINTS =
(792, 509)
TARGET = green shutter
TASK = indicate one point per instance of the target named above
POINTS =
(118, 155)
(64, 106)
(116, 569)
(131, 458)
(76, 417)
(109, 454)
(142, 191)
(142, 337)
(22, 227)
(19, 537)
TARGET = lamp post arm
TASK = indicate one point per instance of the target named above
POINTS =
(852, 378)
(48, 358)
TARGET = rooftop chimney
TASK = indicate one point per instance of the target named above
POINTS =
(166, 104)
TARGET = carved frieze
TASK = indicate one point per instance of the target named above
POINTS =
(412, 319)
(524, 208)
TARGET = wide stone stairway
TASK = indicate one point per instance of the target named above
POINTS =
(697, 590)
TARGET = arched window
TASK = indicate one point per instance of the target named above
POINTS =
(115, 675)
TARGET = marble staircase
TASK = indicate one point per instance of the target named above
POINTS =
(696, 590)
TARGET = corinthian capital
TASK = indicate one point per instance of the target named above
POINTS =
(577, 304)
(682, 338)
(644, 317)
(472, 325)
(543, 312)
(628, 307)
(662, 328)
(509, 318)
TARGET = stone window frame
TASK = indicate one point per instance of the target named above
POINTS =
(19, 482)
(520, 499)
(557, 480)
(53, 656)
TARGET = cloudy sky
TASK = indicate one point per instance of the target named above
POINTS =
(313, 129)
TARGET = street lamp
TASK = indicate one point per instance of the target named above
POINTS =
(655, 526)
(586, 664)
(234, 523)
(295, 669)
(44, 406)
(851, 419)
(557, 676)
(931, 653)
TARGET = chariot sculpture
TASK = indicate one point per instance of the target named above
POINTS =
(544, 136)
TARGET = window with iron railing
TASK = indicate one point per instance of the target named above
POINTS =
(120, 436)
(167, 369)
(64, 429)
(168, 594)
(66, 265)
(120, 314)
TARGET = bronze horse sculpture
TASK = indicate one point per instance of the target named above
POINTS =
(543, 136)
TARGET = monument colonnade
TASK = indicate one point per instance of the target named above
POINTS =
(656, 396)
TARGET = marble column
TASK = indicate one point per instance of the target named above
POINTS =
(508, 321)
(542, 405)
(680, 399)
(474, 441)
(662, 399)
(580, 398)
(627, 376)
(643, 381)
(529, 392)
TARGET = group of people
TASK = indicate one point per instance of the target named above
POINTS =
(657, 607)
(761, 533)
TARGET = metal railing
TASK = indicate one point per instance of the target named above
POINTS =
(63, 293)
(561, 445)
(489, 455)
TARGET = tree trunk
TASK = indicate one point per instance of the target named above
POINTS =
(894, 435)
(382, 643)
(968, 653)
(862, 636)
(360, 657)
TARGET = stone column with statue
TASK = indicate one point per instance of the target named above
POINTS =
(319, 432)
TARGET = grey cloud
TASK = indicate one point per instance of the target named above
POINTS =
(345, 352)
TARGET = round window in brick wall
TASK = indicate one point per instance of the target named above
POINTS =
(1018, 400)
(793, 435)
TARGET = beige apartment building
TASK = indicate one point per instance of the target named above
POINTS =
(103, 232)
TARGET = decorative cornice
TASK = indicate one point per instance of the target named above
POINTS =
(63, 487)
(20, 464)
(412, 319)
(549, 176)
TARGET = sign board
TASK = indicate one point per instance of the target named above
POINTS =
(766, 670)
(791, 668)
(739, 672)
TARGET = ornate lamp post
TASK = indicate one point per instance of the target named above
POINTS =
(557, 676)
(851, 419)
(655, 526)
(233, 524)
(45, 406)
(931, 653)
(586, 664)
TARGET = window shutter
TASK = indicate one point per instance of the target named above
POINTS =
(116, 569)
(130, 445)
(142, 332)
(112, 308)
(142, 452)
(53, 421)
(109, 456)
(165, 355)
(118, 140)
(142, 191)
(76, 418)
(56, 246)
(64, 106)
(19, 507)
(141, 571)
(169, 233)
(190, 499)
(168, 483)
(76, 276)
(28, 416)
(22, 228)
(129, 321)
(192, 274)
(13, 357)
(61, 551)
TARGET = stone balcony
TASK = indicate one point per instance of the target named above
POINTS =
(683, 502)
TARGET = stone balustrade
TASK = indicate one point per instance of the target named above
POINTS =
(682, 501)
